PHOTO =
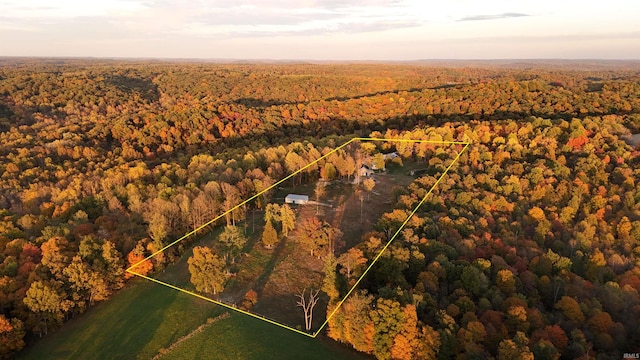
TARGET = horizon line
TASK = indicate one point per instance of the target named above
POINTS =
(301, 60)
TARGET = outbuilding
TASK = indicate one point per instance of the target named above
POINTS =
(296, 199)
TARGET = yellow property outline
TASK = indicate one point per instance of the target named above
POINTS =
(315, 333)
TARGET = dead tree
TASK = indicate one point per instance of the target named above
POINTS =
(307, 306)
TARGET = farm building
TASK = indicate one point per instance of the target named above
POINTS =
(296, 199)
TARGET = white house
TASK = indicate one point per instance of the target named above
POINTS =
(296, 199)
(365, 171)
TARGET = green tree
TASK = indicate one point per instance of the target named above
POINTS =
(329, 280)
(232, 240)
(471, 279)
(206, 271)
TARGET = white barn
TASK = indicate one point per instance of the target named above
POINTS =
(296, 199)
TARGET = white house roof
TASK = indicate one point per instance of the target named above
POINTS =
(297, 197)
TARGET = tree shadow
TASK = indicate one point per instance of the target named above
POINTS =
(261, 103)
(131, 85)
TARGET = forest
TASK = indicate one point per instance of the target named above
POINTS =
(528, 248)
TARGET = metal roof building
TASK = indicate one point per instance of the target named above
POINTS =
(296, 199)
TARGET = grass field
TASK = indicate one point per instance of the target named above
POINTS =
(145, 317)
(135, 323)
(242, 337)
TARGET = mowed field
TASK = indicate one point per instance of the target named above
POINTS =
(146, 317)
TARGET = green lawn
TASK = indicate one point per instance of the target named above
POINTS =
(144, 317)
(135, 323)
(243, 337)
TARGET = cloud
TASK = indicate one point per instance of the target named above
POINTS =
(346, 4)
(492, 17)
(325, 28)
(281, 18)
(553, 38)
(236, 16)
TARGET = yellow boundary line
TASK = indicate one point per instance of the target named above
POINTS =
(391, 240)
(130, 269)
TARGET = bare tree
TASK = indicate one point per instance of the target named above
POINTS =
(307, 306)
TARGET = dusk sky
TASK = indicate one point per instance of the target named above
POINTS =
(322, 29)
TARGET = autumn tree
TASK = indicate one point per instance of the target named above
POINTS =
(328, 172)
(316, 235)
(329, 280)
(391, 222)
(56, 255)
(571, 310)
(293, 163)
(428, 343)
(86, 283)
(352, 323)
(232, 240)
(111, 265)
(287, 219)
(514, 349)
(378, 161)
(368, 185)
(207, 271)
(11, 336)
(351, 261)
(47, 299)
(319, 191)
(269, 236)
(272, 213)
(231, 199)
(506, 281)
(158, 228)
(136, 258)
(388, 319)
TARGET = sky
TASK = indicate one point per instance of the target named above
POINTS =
(392, 30)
